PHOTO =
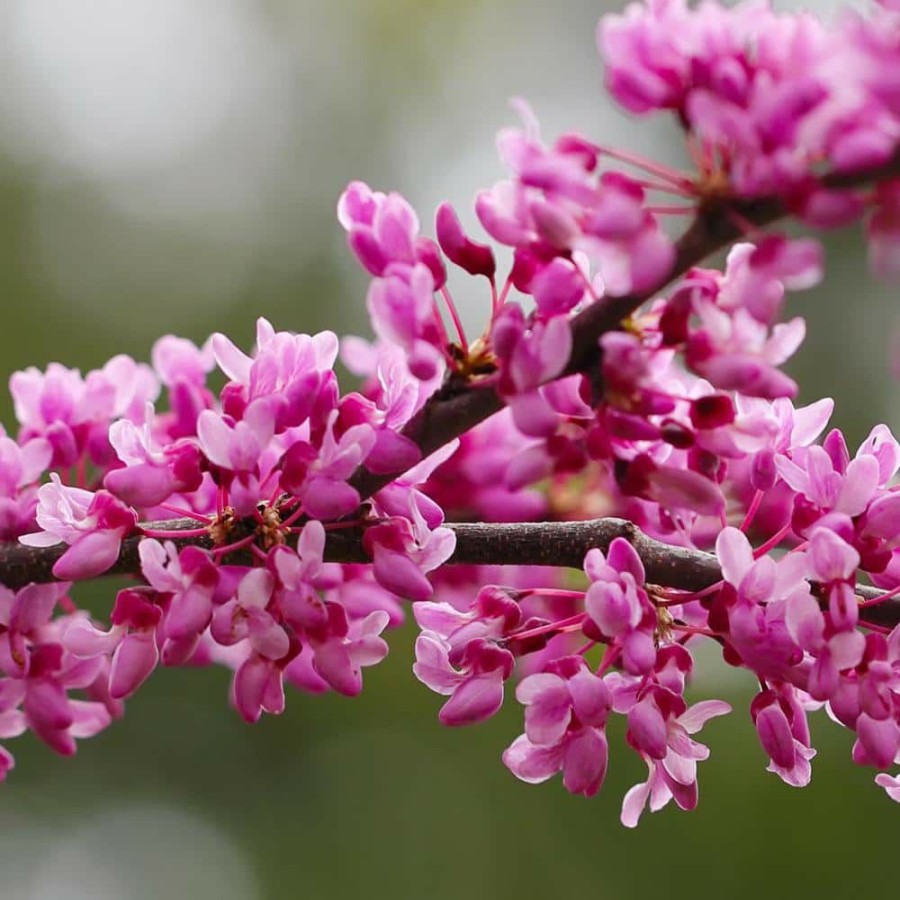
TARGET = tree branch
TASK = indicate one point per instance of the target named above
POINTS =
(559, 544)
(460, 405)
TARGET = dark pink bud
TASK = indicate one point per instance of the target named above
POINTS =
(677, 435)
(234, 400)
(712, 411)
(474, 258)
(135, 608)
(576, 146)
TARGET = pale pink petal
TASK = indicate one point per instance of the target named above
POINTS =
(532, 764)
(475, 699)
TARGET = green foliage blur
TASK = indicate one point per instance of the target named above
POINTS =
(173, 167)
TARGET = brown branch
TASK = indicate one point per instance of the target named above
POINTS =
(559, 544)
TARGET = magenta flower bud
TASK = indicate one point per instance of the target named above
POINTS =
(712, 411)
(676, 434)
(474, 258)
(134, 608)
(574, 145)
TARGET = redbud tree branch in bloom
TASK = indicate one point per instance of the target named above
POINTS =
(649, 440)
(555, 544)
(460, 406)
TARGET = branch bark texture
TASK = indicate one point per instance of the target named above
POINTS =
(560, 544)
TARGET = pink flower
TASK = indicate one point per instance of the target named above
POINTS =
(401, 307)
(48, 711)
(318, 477)
(343, 647)
(300, 575)
(618, 605)
(25, 617)
(474, 681)
(674, 775)
(566, 709)
(131, 641)
(246, 617)
(382, 231)
(93, 524)
(258, 686)
(188, 579)
(756, 609)
(151, 473)
(770, 94)
(784, 734)
(530, 356)
(403, 551)
(289, 375)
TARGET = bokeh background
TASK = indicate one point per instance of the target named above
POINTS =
(173, 166)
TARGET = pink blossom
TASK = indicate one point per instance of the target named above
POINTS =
(566, 709)
(300, 575)
(763, 591)
(178, 360)
(403, 551)
(784, 734)
(257, 686)
(93, 524)
(321, 483)
(151, 473)
(474, 683)
(401, 307)
(342, 648)
(383, 230)
(48, 711)
(618, 605)
(530, 356)
(772, 93)
(673, 773)
(131, 641)
(246, 617)
(189, 580)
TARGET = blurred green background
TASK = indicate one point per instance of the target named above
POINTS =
(173, 166)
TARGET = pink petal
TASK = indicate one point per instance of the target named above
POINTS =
(476, 698)
(432, 666)
(532, 764)
(132, 663)
(585, 762)
(735, 555)
(696, 716)
(89, 556)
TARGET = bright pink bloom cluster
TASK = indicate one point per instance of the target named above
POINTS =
(767, 95)
(684, 425)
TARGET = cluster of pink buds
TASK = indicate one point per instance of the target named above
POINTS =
(277, 526)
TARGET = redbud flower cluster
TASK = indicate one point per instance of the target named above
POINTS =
(620, 396)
